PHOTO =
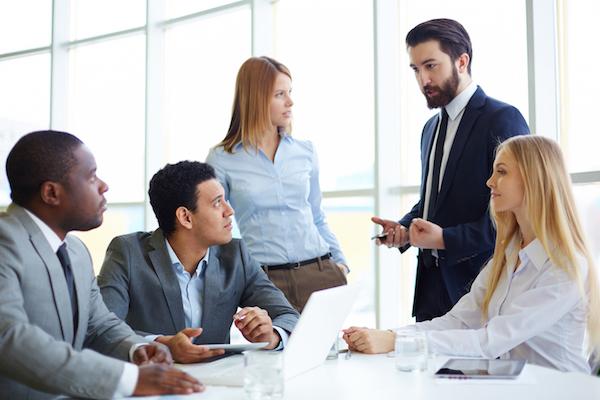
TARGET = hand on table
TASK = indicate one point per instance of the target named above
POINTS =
(152, 353)
(183, 348)
(256, 326)
(156, 379)
(370, 341)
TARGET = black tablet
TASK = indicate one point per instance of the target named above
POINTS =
(459, 368)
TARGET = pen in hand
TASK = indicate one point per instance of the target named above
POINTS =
(381, 236)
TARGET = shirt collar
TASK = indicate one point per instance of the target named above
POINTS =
(237, 146)
(175, 260)
(534, 252)
(51, 237)
(285, 136)
(282, 134)
(455, 107)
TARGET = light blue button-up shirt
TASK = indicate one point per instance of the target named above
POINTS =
(191, 286)
(277, 203)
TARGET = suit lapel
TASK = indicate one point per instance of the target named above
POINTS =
(213, 288)
(60, 292)
(465, 130)
(426, 146)
(159, 258)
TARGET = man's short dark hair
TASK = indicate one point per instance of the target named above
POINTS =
(36, 158)
(174, 186)
(452, 36)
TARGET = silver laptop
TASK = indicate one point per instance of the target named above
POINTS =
(307, 348)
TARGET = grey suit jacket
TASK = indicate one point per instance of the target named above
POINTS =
(138, 284)
(39, 352)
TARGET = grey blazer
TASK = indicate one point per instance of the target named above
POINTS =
(138, 284)
(39, 352)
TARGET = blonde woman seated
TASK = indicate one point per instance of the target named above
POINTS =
(538, 298)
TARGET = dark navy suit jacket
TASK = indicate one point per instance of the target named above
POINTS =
(462, 204)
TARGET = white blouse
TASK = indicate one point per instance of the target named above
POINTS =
(537, 313)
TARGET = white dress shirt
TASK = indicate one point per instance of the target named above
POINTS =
(130, 372)
(537, 313)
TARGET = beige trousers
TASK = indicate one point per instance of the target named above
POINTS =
(298, 283)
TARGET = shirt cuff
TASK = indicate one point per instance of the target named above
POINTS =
(346, 267)
(339, 259)
(151, 338)
(128, 380)
(284, 338)
(133, 348)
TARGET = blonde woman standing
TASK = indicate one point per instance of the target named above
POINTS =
(272, 182)
(538, 298)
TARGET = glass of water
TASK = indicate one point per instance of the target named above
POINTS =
(334, 350)
(263, 375)
(411, 350)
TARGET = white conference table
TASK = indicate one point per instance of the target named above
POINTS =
(375, 377)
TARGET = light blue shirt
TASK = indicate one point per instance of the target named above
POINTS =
(191, 287)
(277, 203)
(192, 293)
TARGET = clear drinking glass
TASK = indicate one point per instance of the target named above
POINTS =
(334, 350)
(411, 350)
(263, 375)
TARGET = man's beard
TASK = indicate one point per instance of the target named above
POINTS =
(446, 92)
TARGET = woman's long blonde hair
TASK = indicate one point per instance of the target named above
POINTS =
(250, 117)
(550, 205)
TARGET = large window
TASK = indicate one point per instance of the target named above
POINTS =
(21, 28)
(24, 104)
(579, 133)
(97, 17)
(178, 8)
(106, 110)
(332, 71)
(333, 94)
(200, 80)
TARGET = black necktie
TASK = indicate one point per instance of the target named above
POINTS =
(428, 258)
(437, 164)
(65, 262)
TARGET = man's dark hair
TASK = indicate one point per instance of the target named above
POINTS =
(36, 158)
(452, 36)
(174, 186)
